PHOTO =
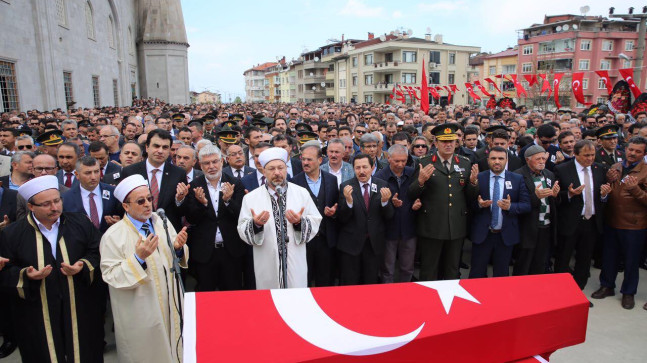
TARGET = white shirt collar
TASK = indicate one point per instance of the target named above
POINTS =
(579, 167)
(150, 167)
(42, 226)
(85, 193)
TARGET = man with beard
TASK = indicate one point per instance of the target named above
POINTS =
(278, 245)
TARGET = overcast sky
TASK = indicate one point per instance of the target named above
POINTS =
(228, 39)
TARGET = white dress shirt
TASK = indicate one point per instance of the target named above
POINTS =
(98, 200)
(214, 194)
(337, 173)
(190, 175)
(50, 234)
(580, 175)
(259, 177)
(158, 175)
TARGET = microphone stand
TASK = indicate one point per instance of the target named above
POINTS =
(282, 244)
(176, 267)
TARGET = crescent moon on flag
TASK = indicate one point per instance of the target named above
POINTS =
(578, 84)
(300, 311)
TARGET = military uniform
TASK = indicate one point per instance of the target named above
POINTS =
(603, 156)
(441, 222)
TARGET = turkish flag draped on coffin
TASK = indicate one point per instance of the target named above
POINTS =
(480, 320)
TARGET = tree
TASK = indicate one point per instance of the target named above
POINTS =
(238, 100)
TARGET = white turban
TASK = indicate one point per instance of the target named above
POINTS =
(128, 185)
(37, 185)
(273, 153)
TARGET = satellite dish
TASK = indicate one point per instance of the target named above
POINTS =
(383, 37)
(311, 74)
(575, 27)
(559, 28)
(565, 27)
(316, 59)
(585, 9)
(323, 84)
(314, 88)
(409, 32)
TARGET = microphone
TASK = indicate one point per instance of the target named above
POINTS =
(279, 190)
(161, 213)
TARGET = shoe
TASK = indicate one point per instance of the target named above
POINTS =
(465, 266)
(645, 306)
(590, 304)
(628, 301)
(621, 266)
(7, 348)
(603, 292)
(643, 265)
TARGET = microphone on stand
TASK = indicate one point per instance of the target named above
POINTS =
(160, 212)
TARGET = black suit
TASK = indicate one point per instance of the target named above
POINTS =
(215, 266)
(7, 208)
(5, 181)
(113, 174)
(297, 167)
(172, 176)
(246, 171)
(362, 236)
(575, 232)
(321, 249)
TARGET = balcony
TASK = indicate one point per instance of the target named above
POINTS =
(319, 93)
(392, 67)
(315, 78)
(311, 64)
(382, 87)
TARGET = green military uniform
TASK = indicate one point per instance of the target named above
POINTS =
(605, 157)
(442, 219)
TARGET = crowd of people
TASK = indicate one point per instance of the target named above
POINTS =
(101, 204)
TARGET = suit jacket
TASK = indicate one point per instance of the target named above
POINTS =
(297, 167)
(347, 171)
(514, 162)
(173, 175)
(196, 174)
(327, 197)
(5, 181)
(357, 223)
(570, 209)
(250, 181)
(515, 187)
(529, 222)
(73, 203)
(60, 175)
(402, 225)
(246, 171)
(8, 204)
(113, 174)
(205, 222)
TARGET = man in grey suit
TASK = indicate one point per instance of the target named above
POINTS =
(336, 165)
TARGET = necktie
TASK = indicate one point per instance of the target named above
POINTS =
(366, 198)
(447, 166)
(238, 174)
(68, 180)
(263, 180)
(588, 203)
(155, 191)
(147, 229)
(495, 198)
(101, 173)
(94, 214)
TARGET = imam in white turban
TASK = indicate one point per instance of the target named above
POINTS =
(128, 185)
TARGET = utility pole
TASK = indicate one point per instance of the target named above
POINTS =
(642, 27)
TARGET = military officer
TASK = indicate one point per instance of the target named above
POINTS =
(444, 182)
(608, 154)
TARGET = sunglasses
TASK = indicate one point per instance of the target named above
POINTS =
(545, 142)
(142, 201)
(420, 146)
(22, 147)
(360, 131)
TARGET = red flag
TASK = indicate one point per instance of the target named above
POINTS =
(434, 94)
(400, 97)
(454, 88)
(532, 79)
(558, 77)
(546, 85)
(604, 76)
(578, 90)
(415, 92)
(518, 86)
(470, 90)
(449, 94)
(490, 81)
(481, 88)
(628, 75)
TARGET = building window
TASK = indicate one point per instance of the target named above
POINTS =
(629, 45)
(89, 20)
(368, 59)
(95, 91)
(584, 65)
(354, 62)
(548, 47)
(409, 57)
(585, 83)
(61, 12)
(111, 32)
(492, 70)
(67, 86)
(526, 68)
(452, 58)
(368, 98)
(354, 80)
(342, 83)
(601, 85)
(434, 56)
(607, 45)
(8, 87)
(451, 78)
(368, 79)
(509, 69)
(434, 77)
(626, 64)
(115, 91)
(527, 49)
(602, 99)
(408, 78)
(585, 44)
(605, 65)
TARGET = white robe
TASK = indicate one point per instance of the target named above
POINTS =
(265, 245)
(140, 299)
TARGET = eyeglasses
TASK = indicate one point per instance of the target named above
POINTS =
(360, 131)
(142, 201)
(42, 169)
(420, 146)
(22, 147)
(106, 136)
(48, 204)
(545, 142)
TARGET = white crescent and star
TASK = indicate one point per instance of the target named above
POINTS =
(574, 84)
(301, 312)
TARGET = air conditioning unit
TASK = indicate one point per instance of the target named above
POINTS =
(433, 65)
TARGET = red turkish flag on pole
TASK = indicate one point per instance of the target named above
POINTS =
(628, 75)
(424, 90)
(518, 86)
(546, 85)
(400, 97)
(415, 92)
(558, 77)
(578, 90)
(454, 88)
(604, 76)
(531, 78)
(470, 90)
(490, 81)
(449, 94)
(481, 88)
(434, 94)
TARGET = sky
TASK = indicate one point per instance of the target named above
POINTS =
(226, 40)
